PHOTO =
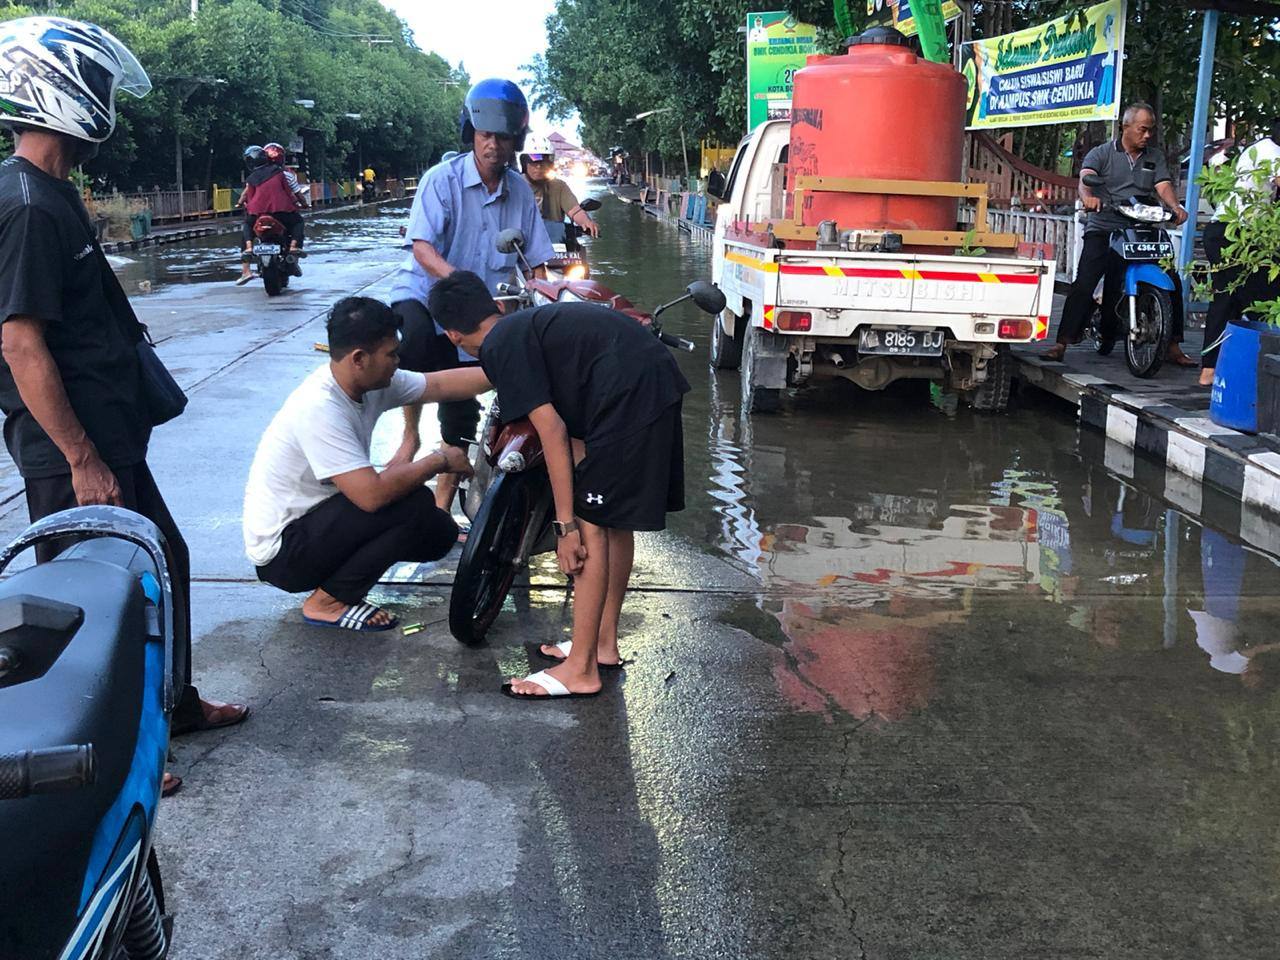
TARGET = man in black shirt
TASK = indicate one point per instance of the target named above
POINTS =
(604, 396)
(70, 380)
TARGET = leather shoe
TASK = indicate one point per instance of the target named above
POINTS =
(214, 714)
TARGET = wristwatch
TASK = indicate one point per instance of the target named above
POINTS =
(564, 529)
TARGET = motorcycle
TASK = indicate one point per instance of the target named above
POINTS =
(276, 263)
(1147, 288)
(569, 262)
(88, 674)
(508, 500)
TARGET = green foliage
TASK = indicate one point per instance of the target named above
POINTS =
(968, 249)
(267, 54)
(613, 59)
(1252, 226)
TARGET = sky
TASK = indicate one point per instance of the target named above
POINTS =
(491, 39)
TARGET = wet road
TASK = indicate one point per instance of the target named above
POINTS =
(906, 685)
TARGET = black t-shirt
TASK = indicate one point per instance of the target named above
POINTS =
(606, 375)
(52, 269)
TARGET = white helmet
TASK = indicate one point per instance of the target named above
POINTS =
(537, 148)
(62, 75)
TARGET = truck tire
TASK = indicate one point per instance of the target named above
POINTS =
(992, 395)
(726, 349)
(755, 399)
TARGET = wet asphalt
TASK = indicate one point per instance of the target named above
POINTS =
(907, 683)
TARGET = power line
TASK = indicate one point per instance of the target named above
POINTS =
(298, 8)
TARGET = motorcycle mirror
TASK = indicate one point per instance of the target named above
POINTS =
(708, 297)
(510, 240)
(590, 204)
(1093, 180)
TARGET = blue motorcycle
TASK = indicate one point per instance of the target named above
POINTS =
(1146, 307)
(87, 685)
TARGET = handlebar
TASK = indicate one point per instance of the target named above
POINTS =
(680, 343)
(53, 770)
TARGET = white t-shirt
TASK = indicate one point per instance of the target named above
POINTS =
(319, 433)
(1250, 177)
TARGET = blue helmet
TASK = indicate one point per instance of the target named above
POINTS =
(494, 106)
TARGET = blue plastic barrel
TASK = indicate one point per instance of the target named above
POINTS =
(1234, 402)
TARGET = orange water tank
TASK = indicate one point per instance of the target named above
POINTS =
(877, 111)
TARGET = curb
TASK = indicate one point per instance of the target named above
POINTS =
(1244, 466)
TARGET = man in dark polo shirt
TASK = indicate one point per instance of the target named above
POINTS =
(70, 382)
(1118, 162)
(604, 395)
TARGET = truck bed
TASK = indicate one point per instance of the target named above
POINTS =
(847, 289)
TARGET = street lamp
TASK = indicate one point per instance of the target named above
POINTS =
(684, 150)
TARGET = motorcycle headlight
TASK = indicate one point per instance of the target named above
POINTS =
(576, 272)
(1145, 212)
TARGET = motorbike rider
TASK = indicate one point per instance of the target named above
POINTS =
(71, 383)
(1116, 161)
(460, 208)
(555, 199)
(270, 189)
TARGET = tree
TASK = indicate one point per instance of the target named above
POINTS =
(231, 76)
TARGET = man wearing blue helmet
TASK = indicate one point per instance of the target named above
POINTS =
(460, 208)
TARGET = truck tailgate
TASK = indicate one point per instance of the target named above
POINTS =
(915, 283)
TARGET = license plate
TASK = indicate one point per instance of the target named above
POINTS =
(267, 249)
(1146, 250)
(893, 340)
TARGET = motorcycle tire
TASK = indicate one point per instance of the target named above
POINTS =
(1154, 311)
(487, 566)
(272, 278)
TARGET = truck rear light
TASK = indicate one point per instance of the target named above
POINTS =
(1015, 330)
(795, 320)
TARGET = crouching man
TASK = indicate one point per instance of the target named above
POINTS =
(317, 515)
(604, 396)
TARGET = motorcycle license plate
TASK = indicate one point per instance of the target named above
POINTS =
(896, 341)
(1146, 249)
(267, 249)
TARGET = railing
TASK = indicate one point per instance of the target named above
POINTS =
(1064, 231)
(1008, 175)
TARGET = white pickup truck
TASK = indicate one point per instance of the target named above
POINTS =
(858, 306)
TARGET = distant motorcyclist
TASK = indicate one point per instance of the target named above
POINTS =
(270, 189)
(555, 199)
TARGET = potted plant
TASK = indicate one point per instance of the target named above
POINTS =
(1246, 382)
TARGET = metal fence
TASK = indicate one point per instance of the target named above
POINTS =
(1064, 231)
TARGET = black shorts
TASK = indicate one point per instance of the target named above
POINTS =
(633, 483)
(425, 351)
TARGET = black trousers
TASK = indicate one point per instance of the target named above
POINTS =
(425, 351)
(140, 494)
(1097, 262)
(1227, 307)
(291, 220)
(344, 550)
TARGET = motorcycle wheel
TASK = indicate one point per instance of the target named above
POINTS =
(488, 562)
(1145, 349)
(272, 278)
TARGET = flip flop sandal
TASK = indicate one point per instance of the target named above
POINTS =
(241, 281)
(170, 784)
(555, 689)
(356, 619)
(564, 646)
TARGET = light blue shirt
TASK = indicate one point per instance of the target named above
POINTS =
(455, 213)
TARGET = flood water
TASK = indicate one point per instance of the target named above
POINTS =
(992, 689)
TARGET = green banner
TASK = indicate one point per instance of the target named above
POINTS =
(777, 45)
(899, 15)
(1063, 71)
